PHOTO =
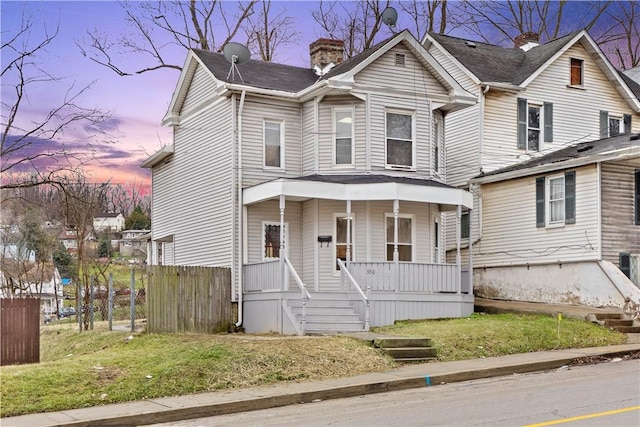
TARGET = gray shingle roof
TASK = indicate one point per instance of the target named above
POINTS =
(371, 179)
(635, 87)
(582, 150)
(491, 63)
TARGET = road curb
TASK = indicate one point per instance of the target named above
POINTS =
(172, 409)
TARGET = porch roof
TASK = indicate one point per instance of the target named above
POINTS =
(360, 187)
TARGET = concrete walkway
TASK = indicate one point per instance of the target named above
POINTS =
(170, 409)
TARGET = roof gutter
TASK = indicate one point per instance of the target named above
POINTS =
(503, 87)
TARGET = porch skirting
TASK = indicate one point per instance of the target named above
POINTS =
(266, 311)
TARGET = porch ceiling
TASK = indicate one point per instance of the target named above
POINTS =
(356, 188)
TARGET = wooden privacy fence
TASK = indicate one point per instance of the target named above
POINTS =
(20, 330)
(188, 299)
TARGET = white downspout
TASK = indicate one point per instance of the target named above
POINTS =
(240, 260)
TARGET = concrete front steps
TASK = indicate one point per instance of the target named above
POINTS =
(327, 313)
(407, 349)
(617, 321)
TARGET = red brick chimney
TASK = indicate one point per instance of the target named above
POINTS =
(325, 51)
(526, 41)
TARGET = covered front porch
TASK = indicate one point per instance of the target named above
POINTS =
(349, 252)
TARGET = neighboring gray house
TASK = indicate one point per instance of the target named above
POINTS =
(533, 101)
(133, 243)
(335, 178)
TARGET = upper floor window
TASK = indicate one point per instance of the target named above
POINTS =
(343, 130)
(577, 72)
(438, 150)
(400, 140)
(273, 144)
(405, 237)
(535, 124)
(613, 125)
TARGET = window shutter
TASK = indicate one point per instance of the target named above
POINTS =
(637, 196)
(627, 124)
(548, 122)
(570, 198)
(522, 123)
(540, 202)
(604, 124)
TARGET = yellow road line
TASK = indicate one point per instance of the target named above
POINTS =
(584, 417)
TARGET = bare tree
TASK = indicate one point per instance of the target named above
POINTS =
(428, 16)
(620, 41)
(25, 143)
(158, 28)
(357, 24)
(501, 22)
(265, 33)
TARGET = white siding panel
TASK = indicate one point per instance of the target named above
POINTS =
(192, 198)
(308, 138)
(202, 87)
(619, 231)
(462, 145)
(510, 235)
(256, 111)
(383, 73)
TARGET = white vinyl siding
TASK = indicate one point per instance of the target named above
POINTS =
(191, 192)
(515, 239)
(256, 112)
(309, 138)
(201, 88)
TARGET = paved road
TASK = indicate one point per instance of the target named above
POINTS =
(606, 394)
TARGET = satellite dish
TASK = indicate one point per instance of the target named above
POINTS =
(236, 53)
(390, 17)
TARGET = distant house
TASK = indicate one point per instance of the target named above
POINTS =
(134, 243)
(535, 100)
(69, 239)
(43, 281)
(109, 222)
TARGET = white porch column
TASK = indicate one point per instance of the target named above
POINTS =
(458, 257)
(281, 254)
(348, 233)
(396, 255)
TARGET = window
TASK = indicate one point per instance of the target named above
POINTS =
(273, 152)
(577, 72)
(343, 126)
(436, 242)
(400, 140)
(341, 238)
(464, 225)
(405, 237)
(637, 196)
(556, 200)
(613, 125)
(271, 240)
(438, 151)
(535, 124)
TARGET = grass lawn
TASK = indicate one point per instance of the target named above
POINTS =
(98, 367)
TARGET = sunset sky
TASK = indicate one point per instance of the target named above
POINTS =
(137, 103)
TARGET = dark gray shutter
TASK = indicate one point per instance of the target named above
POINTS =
(548, 122)
(604, 124)
(522, 123)
(540, 202)
(570, 198)
(627, 123)
(637, 196)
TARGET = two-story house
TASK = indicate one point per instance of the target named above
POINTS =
(109, 222)
(320, 187)
(554, 227)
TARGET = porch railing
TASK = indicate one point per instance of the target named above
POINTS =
(346, 275)
(407, 277)
(262, 276)
(304, 293)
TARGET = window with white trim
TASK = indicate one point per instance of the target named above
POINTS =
(535, 124)
(273, 144)
(555, 197)
(340, 231)
(271, 240)
(405, 237)
(614, 124)
(343, 131)
(436, 242)
(438, 142)
(556, 200)
(400, 142)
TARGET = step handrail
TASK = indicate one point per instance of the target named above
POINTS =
(364, 297)
(306, 296)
